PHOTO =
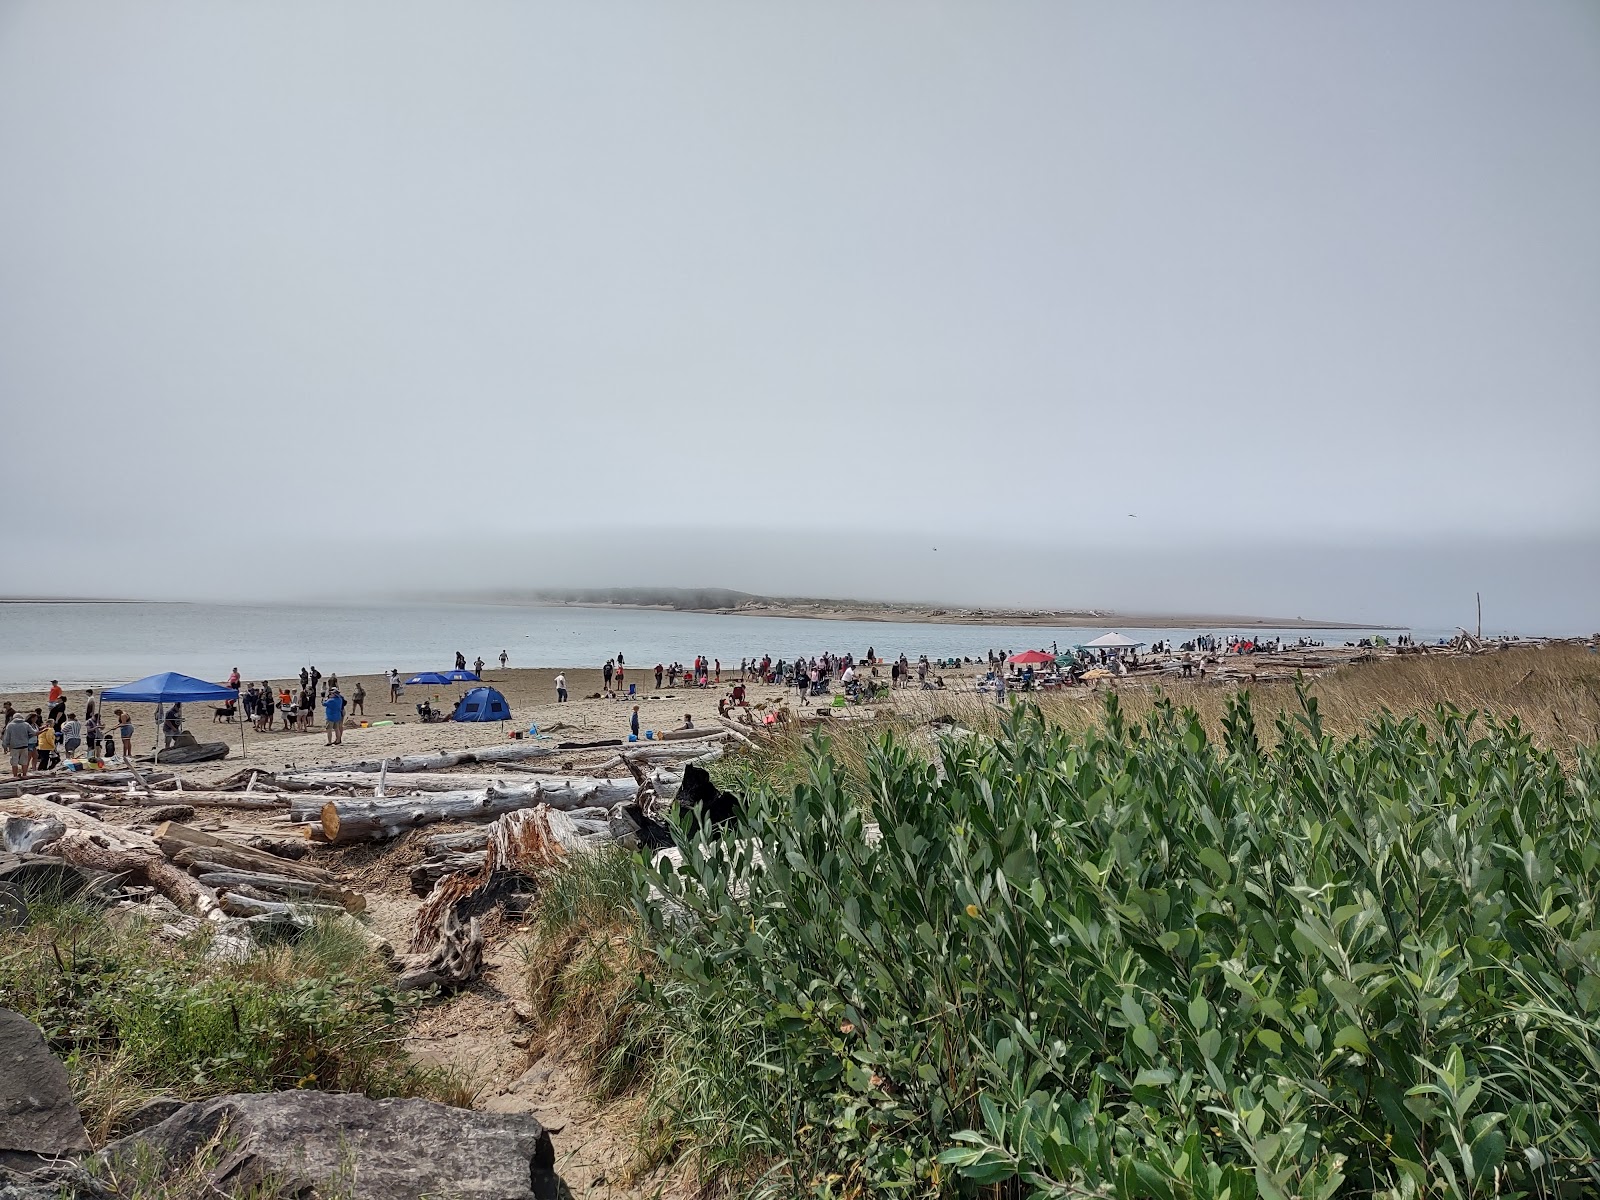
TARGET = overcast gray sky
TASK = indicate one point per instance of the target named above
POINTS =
(337, 284)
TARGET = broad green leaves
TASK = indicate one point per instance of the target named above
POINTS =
(1138, 963)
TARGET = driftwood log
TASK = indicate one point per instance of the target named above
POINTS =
(410, 763)
(455, 957)
(239, 904)
(374, 819)
(182, 841)
(280, 887)
(417, 781)
(244, 802)
(45, 783)
(89, 843)
(520, 846)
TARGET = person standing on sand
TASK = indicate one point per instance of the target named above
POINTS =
(633, 723)
(71, 736)
(719, 671)
(503, 657)
(58, 700)
(333, 717)
(561, 689)
(477, 667)
(17, 739)
(394, 684)
(358, 699)
(659, 670)
(46, 753)
(606, 673)
(125, 730)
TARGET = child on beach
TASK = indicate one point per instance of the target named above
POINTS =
(125, 732)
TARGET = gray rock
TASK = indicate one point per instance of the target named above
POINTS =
(64, 1180)
(356, 1147)
(38, 1116)
(151, 1112)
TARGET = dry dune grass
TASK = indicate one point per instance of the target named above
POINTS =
(1553, 692)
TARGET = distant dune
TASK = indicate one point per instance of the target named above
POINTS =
(735, 603)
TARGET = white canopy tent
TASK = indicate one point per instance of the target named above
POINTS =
(1113, 641)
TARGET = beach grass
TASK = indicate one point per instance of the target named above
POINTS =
(134, 1015)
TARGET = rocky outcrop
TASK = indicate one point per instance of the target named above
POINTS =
(38, 1117)
(348, 1145)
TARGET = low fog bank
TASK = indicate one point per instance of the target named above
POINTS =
(1528, 586)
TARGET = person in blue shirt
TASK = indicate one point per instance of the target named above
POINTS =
(633, 723)
(333, 717)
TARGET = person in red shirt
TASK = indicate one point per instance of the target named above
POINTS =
(58, 700)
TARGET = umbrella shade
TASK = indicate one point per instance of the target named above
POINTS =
(429, 677)
(168, 688)
(1113, 641)
(1032, 658)
(460, 677)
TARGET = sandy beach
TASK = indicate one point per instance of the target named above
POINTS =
(588, 715)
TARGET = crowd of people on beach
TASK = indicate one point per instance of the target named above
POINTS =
(54, 734)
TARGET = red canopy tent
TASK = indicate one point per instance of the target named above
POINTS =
(1032, 658)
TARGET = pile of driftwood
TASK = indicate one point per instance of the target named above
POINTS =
(531, 817)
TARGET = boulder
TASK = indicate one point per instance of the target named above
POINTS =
(38, 1117)
(353, 1147)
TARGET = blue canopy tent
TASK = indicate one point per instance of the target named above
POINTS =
(482, 704)
(170, 688)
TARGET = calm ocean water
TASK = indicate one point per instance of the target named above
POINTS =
(96, 644)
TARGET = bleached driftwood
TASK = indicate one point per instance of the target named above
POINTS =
(409, 763)
(454, 958)
(181, 842)
(87, 842)
(419, 781)
(520, 844)
(377, 818)
(238, 904)
(283, 887)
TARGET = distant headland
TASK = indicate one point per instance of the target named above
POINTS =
(725, 601)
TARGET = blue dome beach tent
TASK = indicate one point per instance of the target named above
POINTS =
(461, 677)
(170, 688)
(482, 704)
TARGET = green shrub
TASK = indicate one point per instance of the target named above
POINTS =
(134, 1017)
(1132, 962)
